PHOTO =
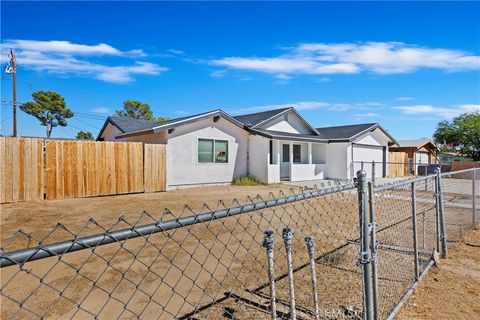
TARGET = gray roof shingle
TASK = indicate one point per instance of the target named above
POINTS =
(126, 124)
(344, 132)
(253, 119)
(414, 143)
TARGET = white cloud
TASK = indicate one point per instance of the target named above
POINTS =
(101, 110)
(176, 52)
(66, 47)
(441, 112)
(366, 115)
(347, 58)
(405, 98)
(324, 79)
(302, 105)
(65, 58)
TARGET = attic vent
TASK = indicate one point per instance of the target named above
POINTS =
(285, 117)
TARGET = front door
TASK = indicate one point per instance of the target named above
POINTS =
(285, 162)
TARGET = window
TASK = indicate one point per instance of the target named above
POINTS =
(205, 150)
(221, 151)
(212, 151)
(297, 154)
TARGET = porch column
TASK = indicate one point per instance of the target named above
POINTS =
(290, 158)
(310, 153)
(278, 153)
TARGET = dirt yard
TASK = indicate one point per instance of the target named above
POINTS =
(40, 217)
(451, 290)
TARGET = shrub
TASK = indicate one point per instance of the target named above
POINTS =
(246, 181)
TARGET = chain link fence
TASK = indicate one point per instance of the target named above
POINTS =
(359, 243)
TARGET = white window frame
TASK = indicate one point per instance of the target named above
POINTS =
(214, 160)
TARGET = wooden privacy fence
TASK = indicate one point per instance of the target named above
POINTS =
(461, 165)
(398, 164)
(36, 169)
(21, 169)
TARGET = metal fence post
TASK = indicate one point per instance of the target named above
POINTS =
(310, 241)
(374, 246)
(287, 239)
(268, 239)
(474, 207)
(365, 253)
(373, 172)
(414, 226)
(437, 213)
(443, 234)
(424, 231)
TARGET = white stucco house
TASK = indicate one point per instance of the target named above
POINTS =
(278, 145)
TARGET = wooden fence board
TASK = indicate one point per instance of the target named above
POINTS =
(155, 167)
(21, 171)
(398, 164)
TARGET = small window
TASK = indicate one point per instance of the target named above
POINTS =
(297, 154)
(205, 150)
(221, 151)
(212, 151)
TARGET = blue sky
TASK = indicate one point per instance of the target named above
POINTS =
(404, 65)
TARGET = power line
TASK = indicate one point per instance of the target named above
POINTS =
(86, 123)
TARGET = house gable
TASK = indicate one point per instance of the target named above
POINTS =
(109, 132)
(375, 138)
(288, 121)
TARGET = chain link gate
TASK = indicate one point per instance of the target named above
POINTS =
(409, 221)
(353, 250)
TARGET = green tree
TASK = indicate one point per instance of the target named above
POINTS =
(84, 135)
(49, 108)
(138, 110)
(462, 133)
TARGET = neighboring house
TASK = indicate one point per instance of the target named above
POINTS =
(423, 151)
(277, 145)
(419, 153)
(449, 157)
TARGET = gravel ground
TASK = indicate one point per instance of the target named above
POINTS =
(451, 290)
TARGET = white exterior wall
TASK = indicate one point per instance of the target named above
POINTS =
(338, 161)
(183, 169)
(305, 171)
(259, 167)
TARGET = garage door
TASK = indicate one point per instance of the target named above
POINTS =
(367, 154)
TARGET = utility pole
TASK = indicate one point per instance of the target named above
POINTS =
(13, 60)
(12, 68)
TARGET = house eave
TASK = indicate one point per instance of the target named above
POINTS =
(287, 137)
(182, 122)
